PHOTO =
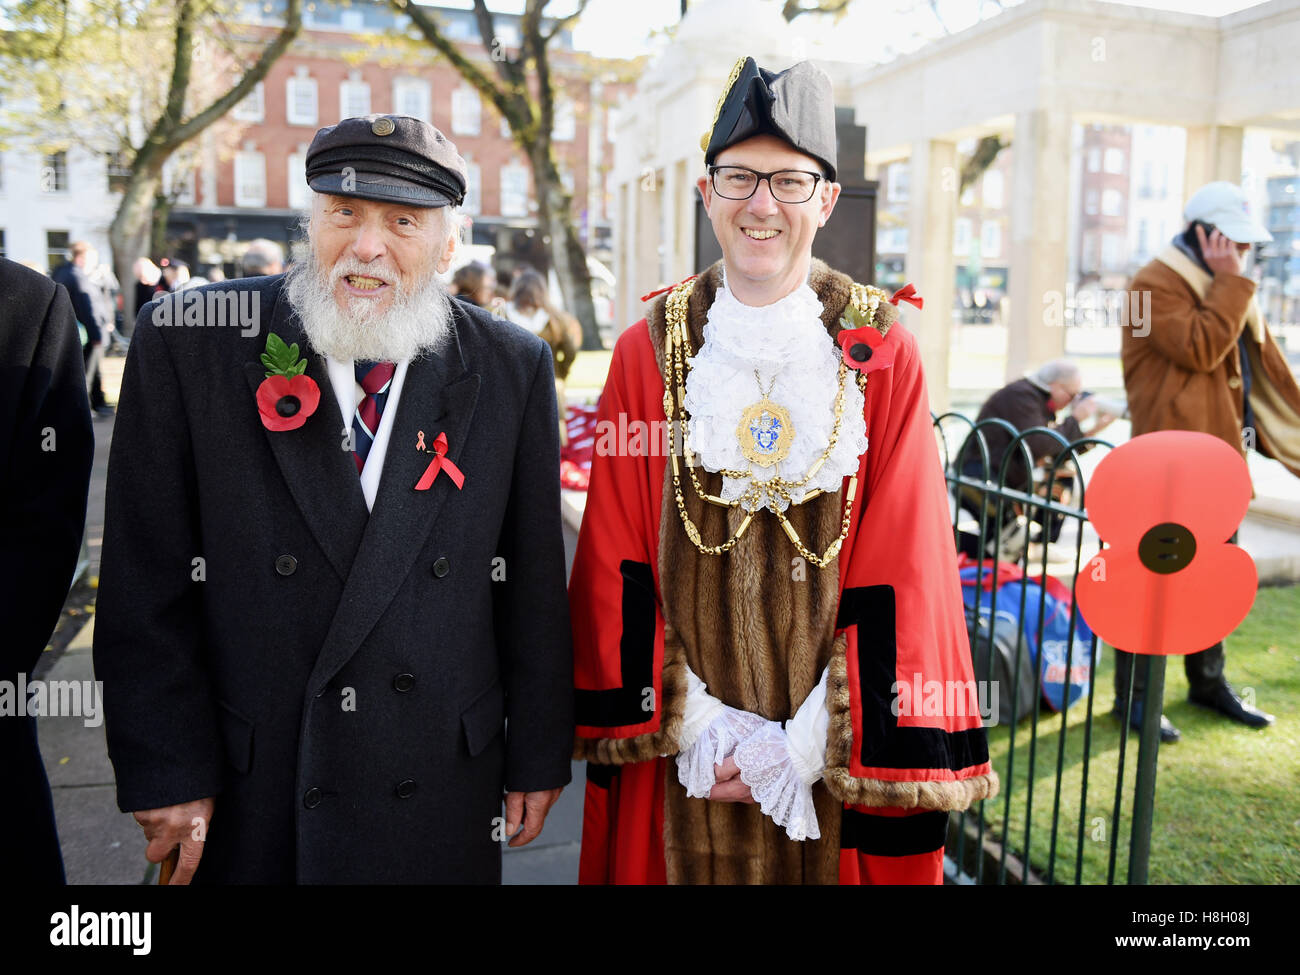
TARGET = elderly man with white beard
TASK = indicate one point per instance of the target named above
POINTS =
(332, 625)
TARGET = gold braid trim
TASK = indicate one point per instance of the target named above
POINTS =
(883, 792)
(620, 751)
(722, 100)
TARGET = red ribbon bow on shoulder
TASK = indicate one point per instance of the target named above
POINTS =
(907, 293)
(439, 463)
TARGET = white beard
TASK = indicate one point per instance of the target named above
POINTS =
(417, 319)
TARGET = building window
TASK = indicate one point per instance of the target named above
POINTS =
(1112, 252)
(250, 179)
(180, 187)
(899, 177)
(298, 195)
(1112, 203)
(992, 190)
(990, 240)
(411, 97)
(118, 170)
(56, 247)
(54, 173)
(1114, 160)
(354, 97)
(1143, 233)
(961, 237)
(474, 195)
(253, 106)
(466, 111)
(968, 196)
(611, 124)
(300, 99)
(1094, 159)
(506, 131)
(1090, 203)
(1089, 261)
(564, 122)
(514, 190)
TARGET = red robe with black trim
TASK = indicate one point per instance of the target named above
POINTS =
(900, 615)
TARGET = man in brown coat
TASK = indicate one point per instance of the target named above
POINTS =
(1205, 361)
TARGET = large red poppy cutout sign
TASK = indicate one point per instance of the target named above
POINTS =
(1169, 582)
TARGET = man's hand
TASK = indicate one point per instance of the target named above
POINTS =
(1083, 408)
(530, 809)
(1220, 253)
(185, 826)
(729, 787)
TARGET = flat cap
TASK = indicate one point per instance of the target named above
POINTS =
(797, 105)
(389, 158)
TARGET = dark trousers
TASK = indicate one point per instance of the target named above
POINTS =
(1204, 673)
(91, 356)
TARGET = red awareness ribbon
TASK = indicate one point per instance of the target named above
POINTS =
(439, 463)
(907, 293)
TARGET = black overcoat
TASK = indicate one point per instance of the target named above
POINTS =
(340, 680)
(47, 448)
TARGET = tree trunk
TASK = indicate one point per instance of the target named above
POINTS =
(162, 208)
(555, 219)
(128, 235)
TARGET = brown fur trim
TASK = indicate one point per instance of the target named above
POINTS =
(884, 792)
(619, 751)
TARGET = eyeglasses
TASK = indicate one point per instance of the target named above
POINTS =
(786, 185)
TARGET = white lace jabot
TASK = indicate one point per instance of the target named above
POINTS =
(787, 344)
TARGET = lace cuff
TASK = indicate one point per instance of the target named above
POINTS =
(714, 743)
(768, 768)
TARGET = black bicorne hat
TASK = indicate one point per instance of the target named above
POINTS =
(797, 105)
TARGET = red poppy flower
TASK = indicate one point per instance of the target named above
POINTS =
(865, 349)
(1169, 582)
(284, 403)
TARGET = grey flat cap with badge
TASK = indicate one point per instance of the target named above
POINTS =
(388, 158)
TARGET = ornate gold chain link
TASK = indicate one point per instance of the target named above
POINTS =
(677, 350)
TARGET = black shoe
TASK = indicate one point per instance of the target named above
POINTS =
(1226, 702)
(1168, 733)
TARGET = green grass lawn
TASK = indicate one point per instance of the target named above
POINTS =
(1227, 804)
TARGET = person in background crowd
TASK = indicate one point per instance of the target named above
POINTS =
(262, 257)
(43, 495)
(1208, 364)
(216, 273)
(530, 306)
(175, 275)
(476, 283)
(147, 275)
(93, 311)
(1033, 401)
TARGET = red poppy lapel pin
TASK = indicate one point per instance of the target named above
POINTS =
(286, 397)
(1169, 581)
(438, 464)
(862, 346)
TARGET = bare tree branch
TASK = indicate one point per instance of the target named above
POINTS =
(199, 122)
(564, 23)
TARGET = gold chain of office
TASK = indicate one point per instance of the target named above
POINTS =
(677, 349)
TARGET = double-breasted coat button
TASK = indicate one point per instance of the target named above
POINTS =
(403, 682)
(441, 567)
(1234, 382)
(406, 788)
(286, 565)
(311, 799)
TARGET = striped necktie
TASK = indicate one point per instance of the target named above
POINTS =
(375, 378)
